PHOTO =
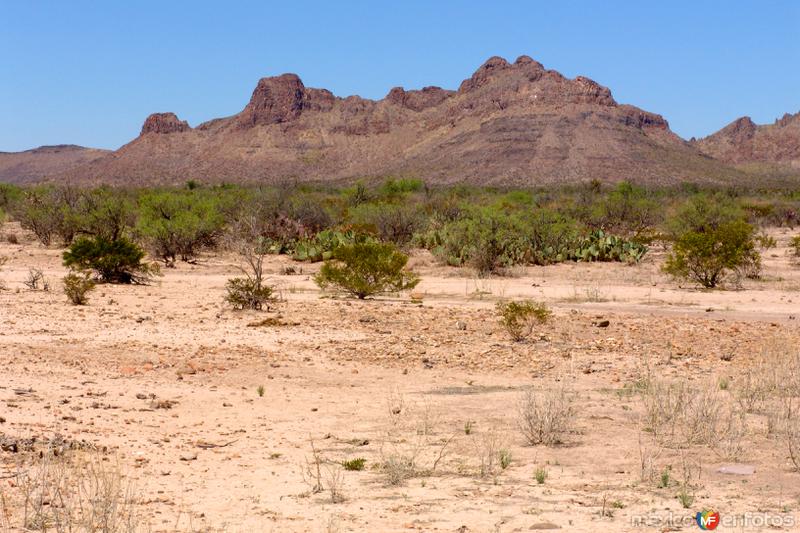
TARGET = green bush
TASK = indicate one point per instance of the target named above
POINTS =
(519, 317)
(484, 238)
(794, 244)
(179, 224)
(356, 464)
(248, 293)
(712, 256)
(41, 213)
(117, 261)
(365, 269)
(628, 210)
(77, 287)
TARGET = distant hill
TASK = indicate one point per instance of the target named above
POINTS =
(774, 147)
(44, 162)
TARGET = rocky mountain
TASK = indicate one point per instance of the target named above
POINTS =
(742, 142)
(39, 163)
(508, 124)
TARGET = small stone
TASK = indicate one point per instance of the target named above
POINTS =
(603, 324)
(461, 325)
(737, 470)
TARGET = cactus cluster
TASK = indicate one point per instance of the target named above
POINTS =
(321, 246)
(598, 246)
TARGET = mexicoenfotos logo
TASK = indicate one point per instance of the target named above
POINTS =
(707, 520)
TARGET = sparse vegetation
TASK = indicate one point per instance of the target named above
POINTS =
(546, 416)
(540, 475)
(367, 269)
(77, 287)
(519, 317)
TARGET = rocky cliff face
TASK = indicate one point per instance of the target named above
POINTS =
(164, 123)
(514, 124)
(743, 142)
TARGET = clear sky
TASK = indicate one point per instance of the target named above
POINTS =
(89, 73)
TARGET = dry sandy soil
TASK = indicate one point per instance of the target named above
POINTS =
(164, 379)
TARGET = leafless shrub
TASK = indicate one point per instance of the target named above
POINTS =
(729, 432)
(664, 405)
(76, 491)
(648, 458)
(36, 280)
(546, 416)
(492, 454)
(701, 413)
(334, 482)
(311, 471)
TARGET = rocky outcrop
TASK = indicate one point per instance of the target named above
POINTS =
(274, 100)
(418, 100)
(164, 123)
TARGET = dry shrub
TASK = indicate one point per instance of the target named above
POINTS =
(518, 318)
(410, 446)
(77, 287)
(680, 415)
(492, 454)
(546, 416)
(76, 491)
(36, 280)
(664, 405)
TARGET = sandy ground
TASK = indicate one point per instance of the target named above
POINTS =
(166, 378)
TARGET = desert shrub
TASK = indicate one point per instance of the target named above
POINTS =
(178, 224)
(354, 464)
(36, 280)
(366, 269)
(248, 293)
(39, 213)
(71, 491)
(704, 213)
(486, 239)
(519, 317)
(103, 212)
(794, 245)
(77, 287)
(710, 256)
(117, 261)
(395, 223)
(545, 417)
(628, 210)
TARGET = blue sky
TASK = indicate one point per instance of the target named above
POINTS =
(90, 72)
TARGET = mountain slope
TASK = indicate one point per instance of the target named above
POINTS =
(508, 124)
(744, 143)
(39, 163)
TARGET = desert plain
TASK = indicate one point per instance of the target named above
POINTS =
(222, 420)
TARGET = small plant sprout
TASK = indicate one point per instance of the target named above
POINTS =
(540, 474)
